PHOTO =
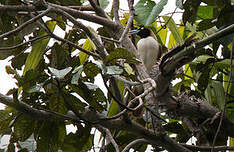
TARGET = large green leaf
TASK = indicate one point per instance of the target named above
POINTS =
(23, 127)
(38, 49)
(174, 30)
(157, 9)
(88, 45)
(143, 10)
(147, 11)
(60, 74)
(215, 95)
(103, 3)
(205, 12)
(121, 53)
(51, 136)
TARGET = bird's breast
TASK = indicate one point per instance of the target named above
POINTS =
(149, 51)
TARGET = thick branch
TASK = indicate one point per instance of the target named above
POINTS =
(189, 53)
(153, 137)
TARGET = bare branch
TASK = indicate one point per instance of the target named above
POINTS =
(24, 43)
(35, 113)
(115, 7)
(86, 16)
(130, 19)
(100, 47)
(25, 24)
(99, 11)
(16, 8)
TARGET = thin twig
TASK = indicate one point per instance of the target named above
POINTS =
(130, 20)
(148, 90)
(24, 43)
(100, 47)
(225, 99)
(115, 7)
(207, 148)
(19, 28)
(110, 39)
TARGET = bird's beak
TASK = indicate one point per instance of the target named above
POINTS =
(134, 31)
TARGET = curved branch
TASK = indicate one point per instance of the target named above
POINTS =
(131, 144)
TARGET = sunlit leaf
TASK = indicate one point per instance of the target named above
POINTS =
(103, 3)
(174, 30)
(114, 70)
(91, 86)
(77, 72)
(60, 74)
(38, 50)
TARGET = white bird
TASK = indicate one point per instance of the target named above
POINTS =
(148, 47)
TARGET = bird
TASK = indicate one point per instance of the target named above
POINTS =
(148, 47)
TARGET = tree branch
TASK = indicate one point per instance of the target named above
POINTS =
(189, 53)
(131, 144)
(100, 47)
(35, 113)
(86, 16)
(115, 7)
(130, 19)
(24, 43)
(19, 28)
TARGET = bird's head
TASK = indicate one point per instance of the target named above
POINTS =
(142, 31)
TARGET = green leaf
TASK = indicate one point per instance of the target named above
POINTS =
(179, 4)
(103, 3)
(38, 49)
(51, 136)
(91, 86)
(205, 12)
(121, 53)
(60, 74)
(91, 70)
(163, 34)
(174, 30)
(4, 115)
(76, 76)
(35, 88)
(23, 127)
(205, 24)
(88, 45)
(80, 141)
(143, 10)
(114, 70)
(215, 94)
(157, 9)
